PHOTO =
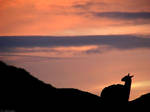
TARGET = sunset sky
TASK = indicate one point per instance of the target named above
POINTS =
(84, 44)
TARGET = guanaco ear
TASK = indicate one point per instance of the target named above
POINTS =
(128, 74)
(132, 76)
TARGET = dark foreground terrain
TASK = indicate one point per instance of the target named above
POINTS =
(20, 91)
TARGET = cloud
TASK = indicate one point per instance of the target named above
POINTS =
(97, 44)
(123, 15)
(114, 9)
(89, 4)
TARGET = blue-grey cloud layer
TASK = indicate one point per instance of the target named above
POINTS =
(123, 15)
(8, 43)
(86, 8)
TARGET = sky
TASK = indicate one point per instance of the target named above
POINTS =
(74, 17)
(84, 44)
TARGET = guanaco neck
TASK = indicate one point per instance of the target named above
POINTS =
(128, 87)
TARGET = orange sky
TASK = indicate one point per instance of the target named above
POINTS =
(69, 17)
(80, 66)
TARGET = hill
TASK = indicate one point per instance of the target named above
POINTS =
(142, 103)
(21, 91)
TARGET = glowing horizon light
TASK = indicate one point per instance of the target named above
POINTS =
(141, 84)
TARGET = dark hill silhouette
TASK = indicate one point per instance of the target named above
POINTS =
(141, 104)
(20, 91)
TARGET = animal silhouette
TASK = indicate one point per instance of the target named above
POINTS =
(117, 94)
(128, 80)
